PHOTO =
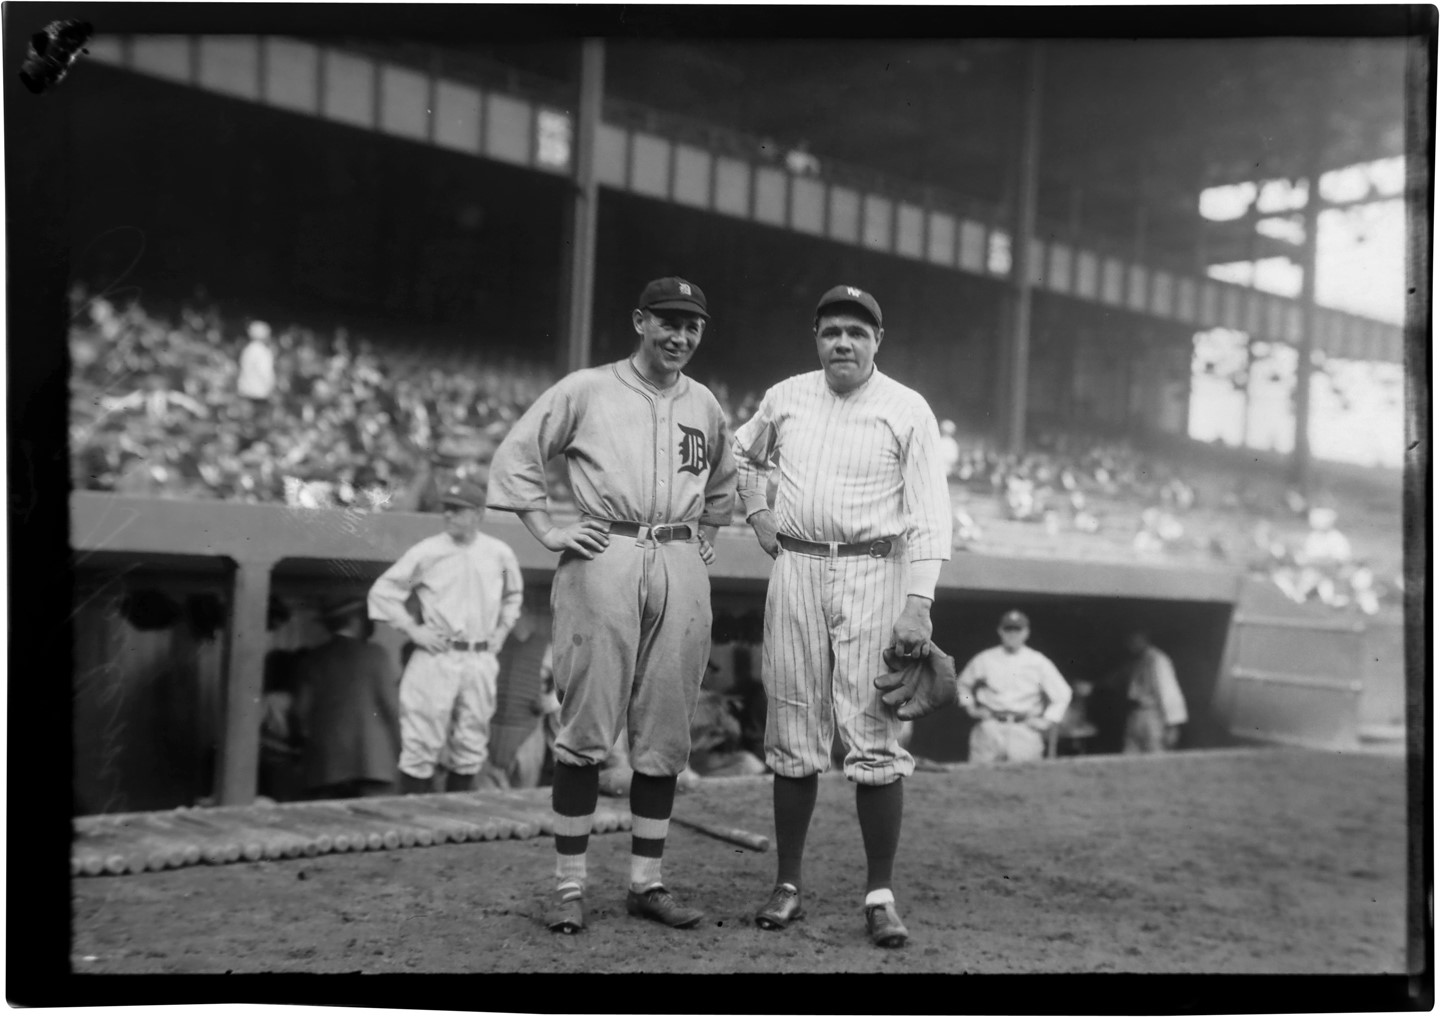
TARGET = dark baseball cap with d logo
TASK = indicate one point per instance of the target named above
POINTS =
(673, 294)
(854, 296)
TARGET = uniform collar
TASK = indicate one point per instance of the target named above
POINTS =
(634, 372)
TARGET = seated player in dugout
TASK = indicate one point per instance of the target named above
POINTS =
(653, 478)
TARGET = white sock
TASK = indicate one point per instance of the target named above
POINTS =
(644, 873)
(883, 896)
(570, 869)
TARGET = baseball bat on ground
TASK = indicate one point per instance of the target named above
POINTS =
(729, 834)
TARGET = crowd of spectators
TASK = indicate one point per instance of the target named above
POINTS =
(193, 405)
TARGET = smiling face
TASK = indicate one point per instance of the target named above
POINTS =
(847, 343)
(668, 339)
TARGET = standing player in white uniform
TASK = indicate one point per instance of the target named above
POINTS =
(860, 527)
(650, 465)
(470, 590)
(1016, 695)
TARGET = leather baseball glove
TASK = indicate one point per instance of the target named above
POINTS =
(917, 686)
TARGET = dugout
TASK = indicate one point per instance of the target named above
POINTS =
(178, 604)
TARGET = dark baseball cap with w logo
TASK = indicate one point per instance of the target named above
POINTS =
(852, 295)
(673, 294)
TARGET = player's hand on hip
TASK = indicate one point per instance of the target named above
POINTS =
(587, 538)
(427, 638)
(763, 523)
(1039, 724)
(911, 634)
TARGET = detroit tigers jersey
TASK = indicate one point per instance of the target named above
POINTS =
(853, 466)
(466, 591)
(1024, 682)
(635, 452)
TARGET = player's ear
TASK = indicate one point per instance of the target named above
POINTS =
(879, 337)
(637, 318)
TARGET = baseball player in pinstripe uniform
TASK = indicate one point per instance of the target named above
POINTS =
(860, 527)
(653, 476)
(470, 590)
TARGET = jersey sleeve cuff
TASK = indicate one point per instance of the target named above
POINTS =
(753, 502)
(921, 580)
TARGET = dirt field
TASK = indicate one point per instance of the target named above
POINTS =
(1265, 861)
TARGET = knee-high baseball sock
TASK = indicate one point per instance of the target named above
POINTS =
(573, 798)
(880, 809)
(651, 801)
(794, 805)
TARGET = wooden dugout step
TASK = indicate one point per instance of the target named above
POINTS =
(133, 842)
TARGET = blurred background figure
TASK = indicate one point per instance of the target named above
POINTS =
(347, 709)
(949, 448)
(1075, 733)
(1015, 694)
(523, 700)
(1157, 706)
(256, 383)
(280, 778)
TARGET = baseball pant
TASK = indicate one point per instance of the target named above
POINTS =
(1145, 731)
(446, 702)
(631, 643)
(827, 623)
(1005, 741)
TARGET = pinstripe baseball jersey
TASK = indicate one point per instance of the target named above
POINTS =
(1025, 682)
(466, 591)
(853, 466)
(635, 452)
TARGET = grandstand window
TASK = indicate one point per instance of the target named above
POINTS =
(692, 176)
(844, 214)
(1160, 294)
(909, 230)
(1136, 300)
(807, 205)
(1037, 262)
(770, 195)
(1058, 276)
(457, 117)
(1345, 185)
(732, 187)
(1282, 196)
(1232, 201)
(1112, 281)
(404, 101)
(292, 75)
(649, 165)
(1185, 301)
(998, 257)
(349, 89)
(165, 56)
(610, 144)
(1086, 274)
(508, 123)
(553, 136)
(941, 247)
(1291, 228)
(878, 212)
(230, 64)
(972, 246)
(106, 49)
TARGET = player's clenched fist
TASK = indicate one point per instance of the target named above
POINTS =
(707, 551)
(763, 523)
(587, 538)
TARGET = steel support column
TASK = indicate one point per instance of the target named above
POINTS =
(244, 680)
(585, 209)
(1018, 374)
(1310, 318)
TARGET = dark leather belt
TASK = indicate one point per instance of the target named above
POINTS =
(460, 644)
(661, 533)
(875, 548)
(1010, 718)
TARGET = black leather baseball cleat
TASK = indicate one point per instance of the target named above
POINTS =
(885, 926)
(567, 911)
(660, 905)
(781, 909)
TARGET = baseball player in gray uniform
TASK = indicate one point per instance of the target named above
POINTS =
(860, 527)
(470, 590)
(653, 478)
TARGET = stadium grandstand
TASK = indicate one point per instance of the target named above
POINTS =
(430, 233)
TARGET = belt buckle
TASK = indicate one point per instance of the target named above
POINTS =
(663, 533)
(879, 548)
